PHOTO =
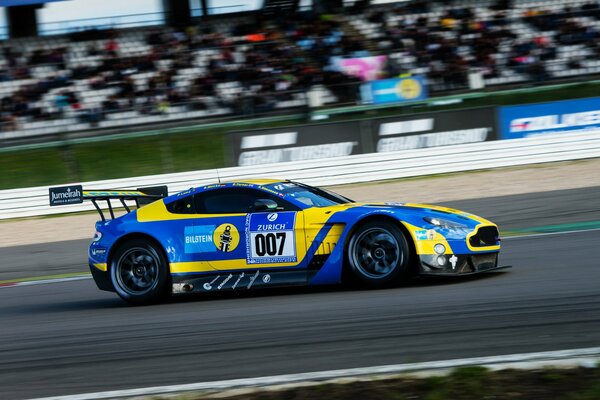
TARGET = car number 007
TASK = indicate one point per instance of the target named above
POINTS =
(271, 244)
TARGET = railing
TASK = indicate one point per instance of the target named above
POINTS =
(341, 170)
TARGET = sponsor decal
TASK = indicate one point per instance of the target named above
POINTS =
(242, 184)
(227, 279)
(199, 238)
(266, 189)
(98, 251)
(238, 280)
(185, 193)
(421, 234)
(424, 234)
(226, 237)
(208, 285)
(266, 278)
(66, 195)
(270, 242)
(252, 279)
(453, 261)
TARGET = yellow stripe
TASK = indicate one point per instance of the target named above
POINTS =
(330, 241)
(157, 211)
(113, 193)
(101, 267)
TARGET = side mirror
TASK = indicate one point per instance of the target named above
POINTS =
(264, 205)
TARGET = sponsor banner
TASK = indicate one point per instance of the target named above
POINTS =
(296, 143)
(394, 90)
(365, 68)
(66, 195)
(434, 129)
(547, 118)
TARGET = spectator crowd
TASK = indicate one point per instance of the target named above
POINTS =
(271, 62)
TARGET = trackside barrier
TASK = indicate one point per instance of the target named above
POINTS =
(28, 202)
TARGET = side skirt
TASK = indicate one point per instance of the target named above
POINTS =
(238, 280)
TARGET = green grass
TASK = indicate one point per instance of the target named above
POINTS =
(112, 159)
(33, 168)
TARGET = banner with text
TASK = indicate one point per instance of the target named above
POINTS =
(309, 142)
(434, 129)
(394, 90)
(296, 143)
(547, 118)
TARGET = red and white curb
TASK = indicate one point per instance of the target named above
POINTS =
(588, 357)
(45, 281)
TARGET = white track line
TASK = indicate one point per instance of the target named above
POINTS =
(45, 281)
(587, 357)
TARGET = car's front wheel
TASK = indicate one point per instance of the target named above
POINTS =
(139, 272)
(378, 254)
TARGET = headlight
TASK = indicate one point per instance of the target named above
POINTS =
(97, 237)
(444, 223)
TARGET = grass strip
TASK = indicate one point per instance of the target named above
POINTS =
(468, 383)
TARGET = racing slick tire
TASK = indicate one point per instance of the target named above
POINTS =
(139, 272)
(378, 254)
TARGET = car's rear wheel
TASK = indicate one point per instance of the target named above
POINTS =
(378, 254)
(139, 272)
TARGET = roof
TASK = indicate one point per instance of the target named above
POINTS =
(257, 181)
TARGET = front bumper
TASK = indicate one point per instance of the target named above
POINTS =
(458, 264)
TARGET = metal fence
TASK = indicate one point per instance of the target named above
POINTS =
(341, 170)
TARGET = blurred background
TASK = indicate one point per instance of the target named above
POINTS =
(102, 89)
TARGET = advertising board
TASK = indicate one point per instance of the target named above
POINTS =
(296, 143)
(434, 129)
(394, 90)
(548, 118)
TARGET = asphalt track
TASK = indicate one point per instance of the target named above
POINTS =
(69, 338)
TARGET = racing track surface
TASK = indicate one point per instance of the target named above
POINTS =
(70, 338)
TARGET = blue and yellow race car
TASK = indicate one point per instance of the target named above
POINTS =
(273, 233)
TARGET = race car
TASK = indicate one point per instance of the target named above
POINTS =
(252, 234)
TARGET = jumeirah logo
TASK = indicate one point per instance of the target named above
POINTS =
(66, 195)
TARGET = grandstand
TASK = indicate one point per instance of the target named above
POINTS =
(259, 63)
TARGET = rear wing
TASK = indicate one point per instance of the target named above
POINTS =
(75, 194)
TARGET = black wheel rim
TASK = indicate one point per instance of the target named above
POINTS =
(137, 271)
(376, 253)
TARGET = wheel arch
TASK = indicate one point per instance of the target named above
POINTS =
(413, 263)
(131, 236)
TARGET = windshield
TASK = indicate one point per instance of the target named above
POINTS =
(311, 196)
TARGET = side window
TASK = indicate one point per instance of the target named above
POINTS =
(224, 201)
(182, 206)
(234, 200)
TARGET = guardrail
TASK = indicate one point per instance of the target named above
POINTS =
(30, 202)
